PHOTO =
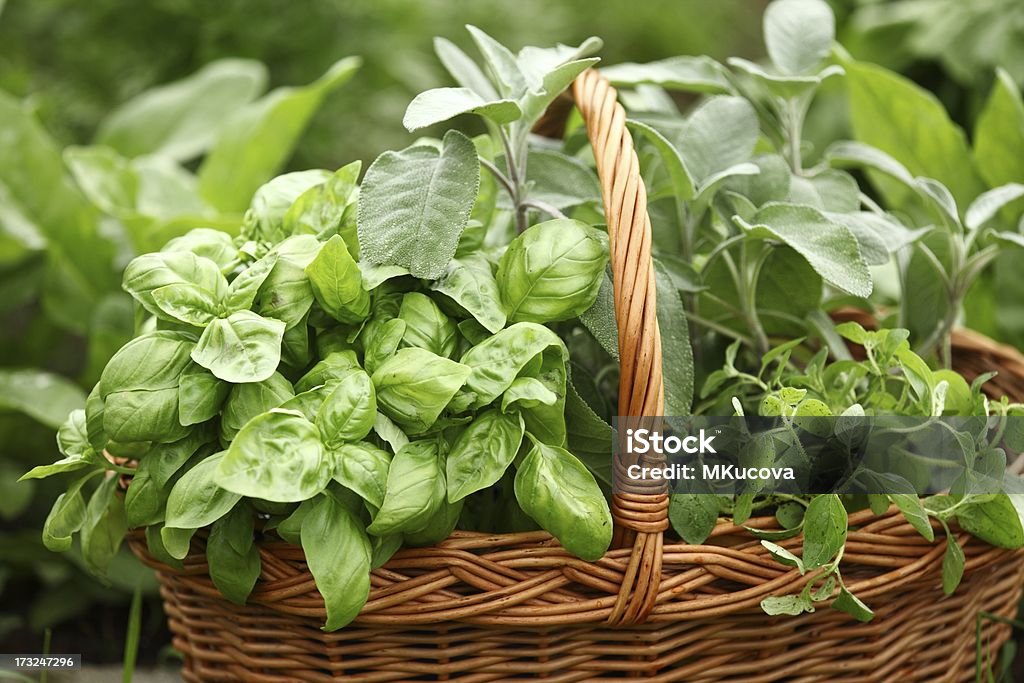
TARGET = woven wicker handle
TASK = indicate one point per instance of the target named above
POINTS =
(640, 518)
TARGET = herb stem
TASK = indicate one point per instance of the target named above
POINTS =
(718, 327)
(500, 177)
(544, 206)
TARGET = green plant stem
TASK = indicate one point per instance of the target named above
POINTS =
(500, 177)
(541, 205)
(721, 329)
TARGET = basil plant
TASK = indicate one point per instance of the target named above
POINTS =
(364, 366)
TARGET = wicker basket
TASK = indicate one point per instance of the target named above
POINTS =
(518, 607)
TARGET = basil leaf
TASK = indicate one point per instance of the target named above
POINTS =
(497, 361)
(414, 386)
(337, 283)
(233, 558)
(200, 395)
(146, 496)
(482, 453)
(286, 294)
(139, 388)
(415, 490)
(103, 527)
(363, 468)
(244, 347)
(197, 500)
(414, 205)
(348, 412)
(276, 456)
(470, 283)
(557, 491)
(380, 342)
(426, 327)
(552, 271)
(321, 208)
(246, 285)
(338, 554)
(150, 272)
(246, 401)
(440, 526)
(66, 516)
(335, 366)
(527, 392)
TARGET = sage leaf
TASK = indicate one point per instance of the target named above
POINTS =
(276, 456)
(463, 69)
(829, 248)
(686, 73)
(414, 205)
(440, 104)
(987, 205)
(244, 347)
(798, 34)
(560, 494)
(338, 553)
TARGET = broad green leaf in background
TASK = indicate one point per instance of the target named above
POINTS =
(440, 104)
(181, 119)
(338, 553)
(105, 177)
(560, 180)
(414, 205)
(677, 362)
(890, 112)
(32, 170)
(798, 34)
(691, 74)
(830, 248)
(257, 140)
(43, 396)
(999, 134)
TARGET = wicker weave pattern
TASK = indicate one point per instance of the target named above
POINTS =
(518, 607)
